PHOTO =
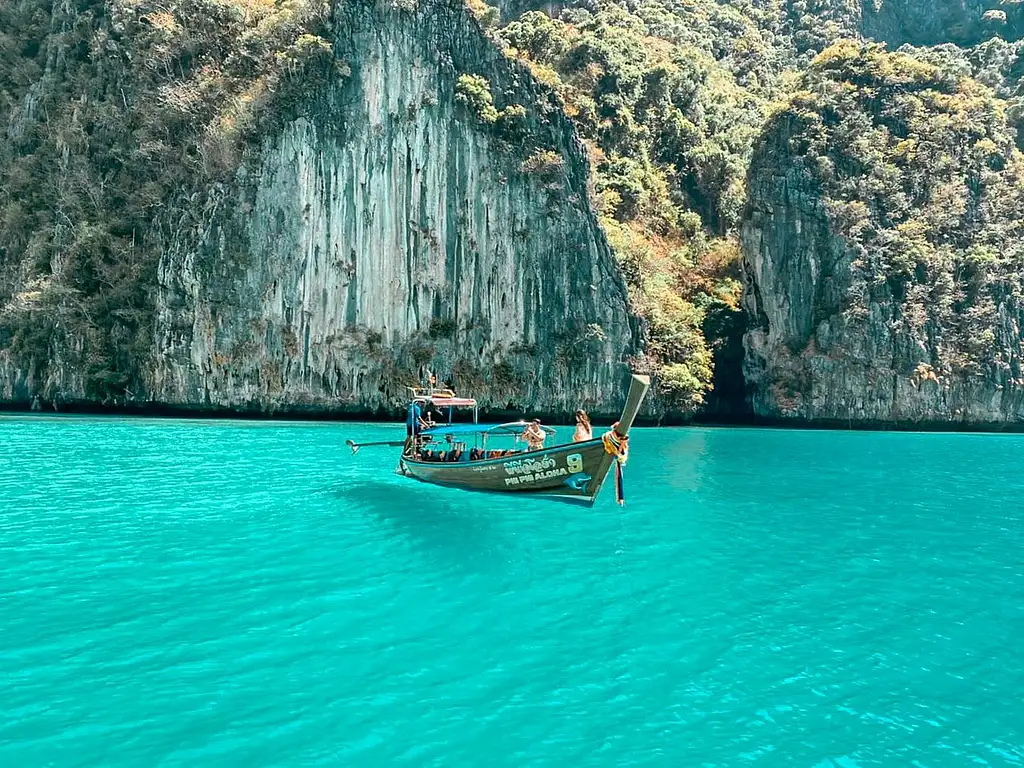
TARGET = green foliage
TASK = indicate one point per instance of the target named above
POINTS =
(511, 122)
(487, 15)
(122, 118)
(307, 49)
(996, 63)
(676, 287)
(475, 92)
(544, 164)
(443, 328)
(672, 124)
(669, 99)
(920, 173)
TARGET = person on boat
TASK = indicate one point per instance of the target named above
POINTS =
(413, 419)
(583, 429)
(534, 436)
(413, 424)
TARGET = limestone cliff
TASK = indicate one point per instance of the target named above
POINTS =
(427, 209)
(392, 233)
(931, 22)
(882, 250)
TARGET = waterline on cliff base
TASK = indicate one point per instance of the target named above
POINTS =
(224, 593)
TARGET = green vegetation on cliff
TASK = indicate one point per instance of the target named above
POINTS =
(121, 117)
(997, 63)
(918, 171)
(673, 97)
(670, 97)
(669, 130)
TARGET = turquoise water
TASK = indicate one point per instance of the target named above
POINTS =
(228, 593)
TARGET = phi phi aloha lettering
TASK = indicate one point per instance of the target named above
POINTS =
(531, 470)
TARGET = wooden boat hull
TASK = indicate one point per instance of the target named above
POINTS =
(573, 471)
(569, 471)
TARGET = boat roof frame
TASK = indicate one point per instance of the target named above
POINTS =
(508, 429)
(446, 402)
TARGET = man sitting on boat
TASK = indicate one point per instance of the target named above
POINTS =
(534, 436)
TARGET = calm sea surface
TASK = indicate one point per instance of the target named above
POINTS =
(181, 593)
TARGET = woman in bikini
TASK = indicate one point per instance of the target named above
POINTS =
(583, 429)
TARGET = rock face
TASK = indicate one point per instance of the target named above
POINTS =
(394, 230)
(804, 361)
(937, 21)
(828, 346)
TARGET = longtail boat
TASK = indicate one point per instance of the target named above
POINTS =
(462, 455)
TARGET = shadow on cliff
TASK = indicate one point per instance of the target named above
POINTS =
(458, 533)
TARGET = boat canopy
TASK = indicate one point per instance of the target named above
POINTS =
(453, 402)
(424, 392)
(446, 402)
(510, 428)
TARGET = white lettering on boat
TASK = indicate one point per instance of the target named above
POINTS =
(543, 475)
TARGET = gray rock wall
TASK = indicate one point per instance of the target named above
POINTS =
(812, 355)
(930, 22)
(389, 232)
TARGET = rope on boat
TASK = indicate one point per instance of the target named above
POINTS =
(618, 446)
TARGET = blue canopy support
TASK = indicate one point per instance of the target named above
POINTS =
(510, 428)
